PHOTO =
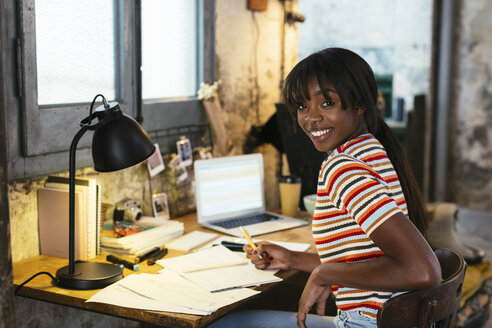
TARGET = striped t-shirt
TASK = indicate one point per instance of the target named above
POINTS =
(358, 189)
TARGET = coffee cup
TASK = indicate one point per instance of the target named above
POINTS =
(290, 194)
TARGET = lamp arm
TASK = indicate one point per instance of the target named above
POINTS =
(71, 201)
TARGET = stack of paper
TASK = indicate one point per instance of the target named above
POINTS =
(167, 291)
(196, 283)
(139, 243)
(218, 268)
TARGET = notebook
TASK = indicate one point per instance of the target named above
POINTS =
(230, 193)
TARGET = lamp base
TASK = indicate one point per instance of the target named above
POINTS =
(89, 275)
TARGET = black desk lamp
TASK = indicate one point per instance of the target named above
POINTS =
(118, 142)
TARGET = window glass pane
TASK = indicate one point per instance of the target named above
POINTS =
(385, 33)
(74, 50)
(169, 48)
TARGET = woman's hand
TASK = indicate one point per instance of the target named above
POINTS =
(314, 292)
(273, 256)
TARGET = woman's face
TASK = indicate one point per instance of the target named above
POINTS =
(325, 121)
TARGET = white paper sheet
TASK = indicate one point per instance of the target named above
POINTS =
(118, 295)
(218, 256)
(168, 287)
(169, 292)
(191, 240)
(219, 278)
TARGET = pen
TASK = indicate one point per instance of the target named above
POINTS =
(140, 258)
(250, 242)
(157, 255)
(126, 264)
(235, 247)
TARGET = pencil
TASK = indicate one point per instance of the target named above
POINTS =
(250, 242)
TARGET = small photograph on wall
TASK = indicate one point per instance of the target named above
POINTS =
(155, 164)
(184, 151)
(160, 206)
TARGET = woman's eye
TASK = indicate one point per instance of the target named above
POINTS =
(301, 107)
(327, 104)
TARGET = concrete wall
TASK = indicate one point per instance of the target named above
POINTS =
(470, 178)
(248, 58)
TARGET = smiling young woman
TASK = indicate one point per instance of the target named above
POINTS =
(369, 217)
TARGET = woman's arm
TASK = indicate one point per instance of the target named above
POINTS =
(408, 264)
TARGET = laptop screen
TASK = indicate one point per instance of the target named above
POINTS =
(229, 186)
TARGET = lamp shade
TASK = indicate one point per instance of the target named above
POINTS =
(120, 143)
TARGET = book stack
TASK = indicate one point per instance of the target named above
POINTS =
(53, 213)
(136, 239)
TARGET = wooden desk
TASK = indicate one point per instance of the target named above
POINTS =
(42, 288)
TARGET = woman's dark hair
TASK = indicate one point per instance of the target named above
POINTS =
(354, 81)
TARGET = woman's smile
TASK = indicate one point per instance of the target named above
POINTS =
(320, 134)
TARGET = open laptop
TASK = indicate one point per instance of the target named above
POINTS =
(230, 193)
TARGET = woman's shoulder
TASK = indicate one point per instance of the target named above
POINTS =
(341, 161)
(363, 143)
(363, 154)
(364, 148)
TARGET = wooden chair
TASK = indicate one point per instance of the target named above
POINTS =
(423, 307)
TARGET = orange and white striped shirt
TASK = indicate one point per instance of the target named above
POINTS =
(358, 189)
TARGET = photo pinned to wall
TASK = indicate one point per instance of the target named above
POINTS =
(160, 206)
(185, 153)
(155, 164)
(179, 169)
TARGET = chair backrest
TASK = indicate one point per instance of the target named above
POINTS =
(436, 305)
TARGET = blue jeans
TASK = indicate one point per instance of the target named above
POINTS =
(283, 319)
(353, 319)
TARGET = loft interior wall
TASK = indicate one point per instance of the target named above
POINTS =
(470, 135)
(248, 61)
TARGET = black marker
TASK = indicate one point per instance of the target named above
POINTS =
(147, 255)
(118, 260)
(159, 254)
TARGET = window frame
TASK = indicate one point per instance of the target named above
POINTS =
(44, 132)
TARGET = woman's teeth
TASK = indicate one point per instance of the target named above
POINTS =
(319, 133)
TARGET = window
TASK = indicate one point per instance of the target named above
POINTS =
(76, 62)
(69, 51)
(169, 60)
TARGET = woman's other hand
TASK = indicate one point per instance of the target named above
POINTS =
(314, 292)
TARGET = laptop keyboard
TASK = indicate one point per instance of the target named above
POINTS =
(245, 220)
